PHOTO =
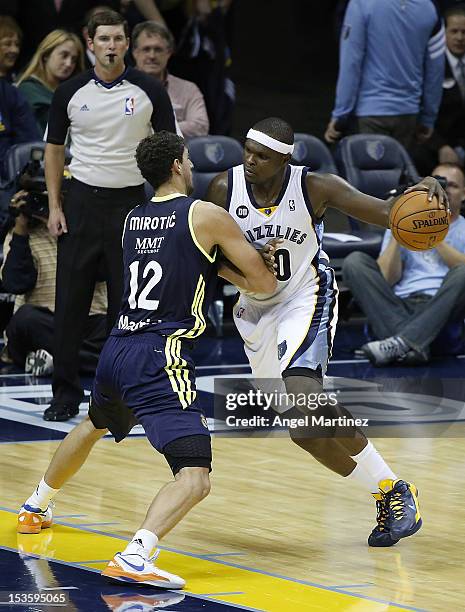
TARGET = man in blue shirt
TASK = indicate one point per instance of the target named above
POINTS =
(391, 69)
(409, 296)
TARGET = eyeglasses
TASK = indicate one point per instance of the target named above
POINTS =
(158, 50)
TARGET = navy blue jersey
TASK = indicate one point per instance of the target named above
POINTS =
(169, 280)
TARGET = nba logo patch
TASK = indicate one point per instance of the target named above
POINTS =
(291, 204)
(129, 106)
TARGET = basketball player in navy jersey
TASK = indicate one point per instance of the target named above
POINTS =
(145, 372)
(289, 334)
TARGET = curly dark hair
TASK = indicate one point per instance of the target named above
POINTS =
(276, 128)
(155, 156)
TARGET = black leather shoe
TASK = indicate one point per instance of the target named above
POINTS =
(415, 358)
(61, 411)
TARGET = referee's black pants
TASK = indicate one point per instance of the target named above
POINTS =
(95, 218)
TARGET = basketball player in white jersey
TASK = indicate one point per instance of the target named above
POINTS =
(290, 333)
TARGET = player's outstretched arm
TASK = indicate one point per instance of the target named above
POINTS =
(329, 190)
(214, 226)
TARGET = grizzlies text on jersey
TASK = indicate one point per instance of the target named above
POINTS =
(294, 327)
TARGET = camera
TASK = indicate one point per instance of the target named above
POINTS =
(32, 179)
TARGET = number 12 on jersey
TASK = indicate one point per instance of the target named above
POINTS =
(153, 268)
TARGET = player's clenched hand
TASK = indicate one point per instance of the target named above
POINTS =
(267, 252)
(434, 189)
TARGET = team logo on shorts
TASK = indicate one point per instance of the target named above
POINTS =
(242, 212)
(204, 421)
(282, 348)
(129, 106)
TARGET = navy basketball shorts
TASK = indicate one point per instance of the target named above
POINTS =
(149, 379)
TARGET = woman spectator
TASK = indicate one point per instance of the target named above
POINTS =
(59, 56)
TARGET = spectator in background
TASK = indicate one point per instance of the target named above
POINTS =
(391, 69)
(409, 296)
(203, 56)
(59, 56)
(39, 17)
(448, 141)
(17, 122)
(29, 271)
(152, 47)
(10, 45)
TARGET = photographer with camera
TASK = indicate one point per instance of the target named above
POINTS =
(410, 296)
(29, 271)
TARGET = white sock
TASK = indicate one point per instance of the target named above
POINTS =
(373, 465)
(363, 478)
(42, 496)
(143, 539)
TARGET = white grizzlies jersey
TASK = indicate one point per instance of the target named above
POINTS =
(300, 258)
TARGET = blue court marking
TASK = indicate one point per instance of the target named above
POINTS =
(353, 586)
(222, 555)
(93, 524)
(61, 516)
(223, 603)
(250, 569)
(96, 587)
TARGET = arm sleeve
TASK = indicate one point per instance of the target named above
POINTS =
(351, 55)
(58, 123)
(433, 76)
(196, 121)
(19, 274)
(24, 123)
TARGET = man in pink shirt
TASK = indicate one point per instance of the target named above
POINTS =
(152, 47)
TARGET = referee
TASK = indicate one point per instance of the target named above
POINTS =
(107, 111)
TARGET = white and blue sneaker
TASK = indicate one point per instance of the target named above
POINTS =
(33, 520)
(136, 569)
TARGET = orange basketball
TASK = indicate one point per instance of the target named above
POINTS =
(416, 223)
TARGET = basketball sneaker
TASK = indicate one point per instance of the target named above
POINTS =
(33, 520)
(136, 569)
(380, 536)
(404, 512)
(384, 352)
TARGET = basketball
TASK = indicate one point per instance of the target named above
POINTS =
(417, 223)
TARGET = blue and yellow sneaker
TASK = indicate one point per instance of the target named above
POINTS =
(380, 536)
(404, 512)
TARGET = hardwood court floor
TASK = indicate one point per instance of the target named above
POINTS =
(272, 510)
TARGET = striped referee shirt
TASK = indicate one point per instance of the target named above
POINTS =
(106, 121)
